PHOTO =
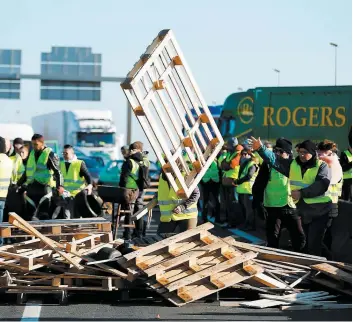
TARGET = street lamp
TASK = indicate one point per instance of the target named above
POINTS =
(335, 45)
(278, 73)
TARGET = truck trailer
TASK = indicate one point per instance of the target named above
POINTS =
(91, 131)
(296, 113)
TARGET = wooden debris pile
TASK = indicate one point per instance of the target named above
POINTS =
(183, 268)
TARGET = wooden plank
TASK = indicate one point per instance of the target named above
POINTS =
(168, 241)
(268, 281)
(299, 280)
(206, 273)
(333, 272)
(22, 224)
(198, 252)
(332, 306)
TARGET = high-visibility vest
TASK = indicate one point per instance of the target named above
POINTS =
(277, 192)
(18, 167)
(348, 174)
(134, 175)
(232, 173)
(298, 182)
(211, 173)
(334, 191)
(257, 155)
(38, 171)
(72, 180)
(5, 174)
(246, 187)
(168, 201)
(221, 158)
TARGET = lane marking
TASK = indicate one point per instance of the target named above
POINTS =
(32, 311)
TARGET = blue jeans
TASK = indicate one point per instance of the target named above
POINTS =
(2, 208)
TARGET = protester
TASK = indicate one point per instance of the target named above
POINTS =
(247, 175)
(272, 189)
(346, 163)
(41, 175)
(309, 180)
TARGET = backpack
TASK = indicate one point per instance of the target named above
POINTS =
(144, 176)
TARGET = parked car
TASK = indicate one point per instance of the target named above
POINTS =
(110, 174)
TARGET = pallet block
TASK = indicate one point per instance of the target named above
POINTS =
(173, 114)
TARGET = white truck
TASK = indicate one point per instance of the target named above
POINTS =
(92, 132)
(12, 131)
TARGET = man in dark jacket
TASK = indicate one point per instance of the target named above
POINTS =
(130, 178)
(272, 189)
(41, 175)
(309, 181)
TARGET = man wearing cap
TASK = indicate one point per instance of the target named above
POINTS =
(230, 171)
(309, 181)
(276, 198)
(15, 155)
(41, 175)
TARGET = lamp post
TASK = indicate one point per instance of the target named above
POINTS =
(335, 45)
(278, 73)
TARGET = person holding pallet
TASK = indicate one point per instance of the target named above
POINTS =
(177, 214)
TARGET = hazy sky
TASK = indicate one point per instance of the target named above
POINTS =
(227, 43)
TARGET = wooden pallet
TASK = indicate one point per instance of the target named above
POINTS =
(58, 227)
(190, 265)
(173, 114)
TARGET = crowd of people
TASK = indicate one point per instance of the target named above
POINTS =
(297, 190)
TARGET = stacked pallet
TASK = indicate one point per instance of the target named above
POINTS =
(183, 268)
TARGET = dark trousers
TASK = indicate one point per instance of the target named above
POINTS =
(315, 233)
(245, 202)
(36, 191)
(228, 204)
(347, 190)
(167, 229)
(139, 230)
(130, 197)
(211, 193)
(277, 218)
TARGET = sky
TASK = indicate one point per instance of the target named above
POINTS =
(227, 43)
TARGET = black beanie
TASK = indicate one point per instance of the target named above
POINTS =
(2, 145)
(18, 141)
(284, 144)
(309, 146)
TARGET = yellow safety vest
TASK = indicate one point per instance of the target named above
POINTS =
(168, 201)
(232, 173)
(298, 182)
(348, 174)
(5, 174)
(18, 167)
(72, 180)
(38, 171)
(246, 187)
(260, 160)
(134, 175)
(277, 192)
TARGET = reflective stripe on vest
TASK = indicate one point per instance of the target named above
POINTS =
(38, 171)
(277, 192)
(297, 182)
(72, 180)
(211, 173)
(134, 175)
(246, 187)
(168, 200)
(5, 174)
(348, 174)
